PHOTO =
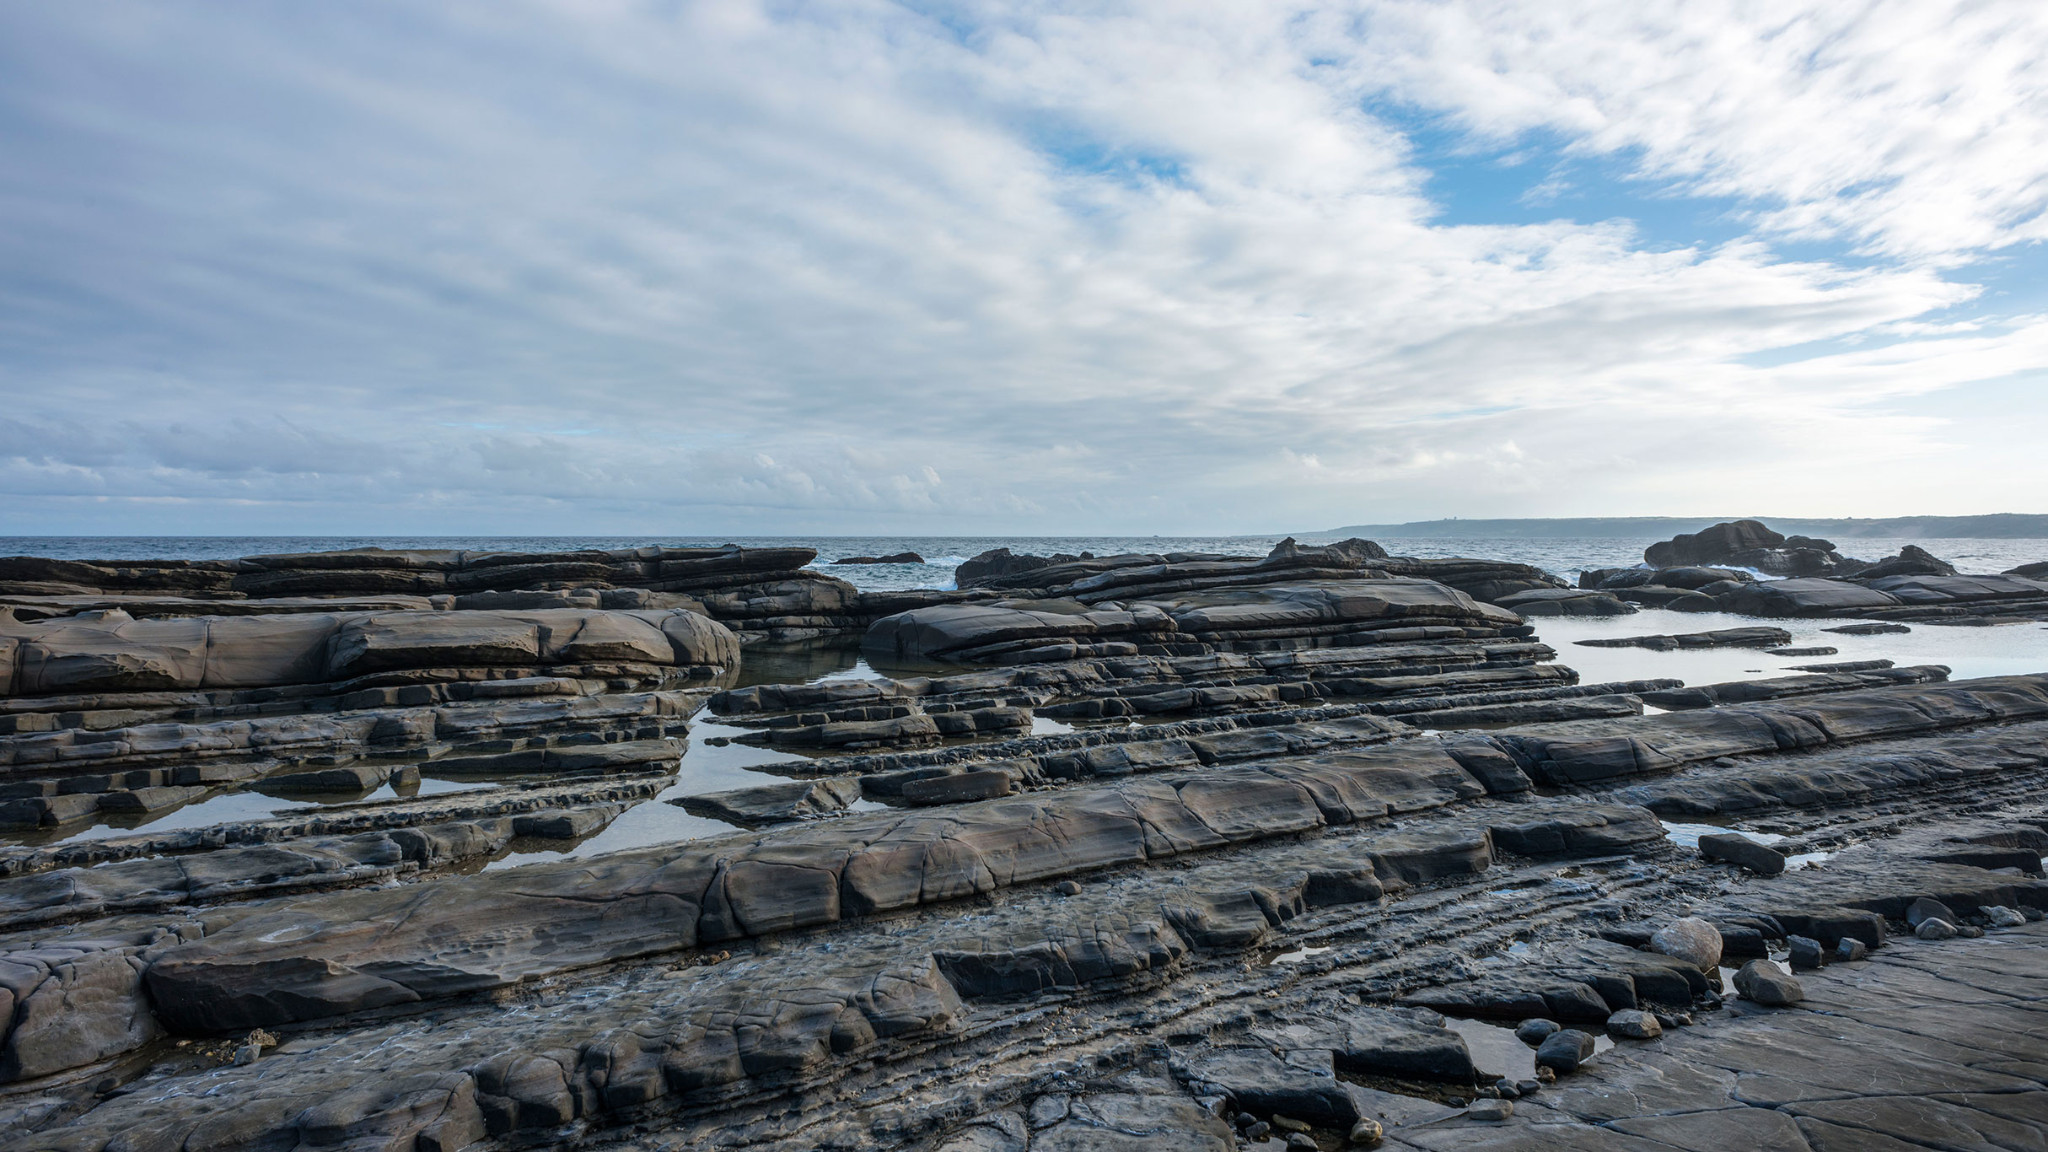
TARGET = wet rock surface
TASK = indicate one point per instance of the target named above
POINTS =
(1142, 852)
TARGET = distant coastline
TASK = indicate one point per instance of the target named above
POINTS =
(1999, 526)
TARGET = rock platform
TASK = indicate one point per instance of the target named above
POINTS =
(1133, 852)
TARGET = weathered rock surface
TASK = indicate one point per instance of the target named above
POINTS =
(1246, 920)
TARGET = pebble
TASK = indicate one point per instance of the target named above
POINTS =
(1634, 1024)
(1367, 1132)
(1806, 952)
(1970, 932)
(248, 1053)
(1934, 928)
(1851, 948)
(1506, 1089)
(1067, 888)
(1535, 1031)
(1528, 1087)
(2002, 917)
(1290, 1124)
(1301, 1140)
(1258, 1131)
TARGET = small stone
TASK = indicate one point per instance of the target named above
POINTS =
(261, 1039)
(1493, 1110)
(1457, 1101)
(1934, 928)
(1763, 982)
(1290, 1124)
(1806, 952)
(1564, 1050)
(1536, 1031)
(1634, 1024)
(1048, 1110)
(1301, 1140)
(1692, 940)
(1215, 1106)
(1928, 908)
(1506, 1089)
(1067, 888)
(1851, 948)
(248, 1053)
(1970, 932)
(1545, 1075)
(1667, 1021)
(2003, 917)
(2033, 914)
(1367, 1132)
(1528, 1087)
(1257, 1131)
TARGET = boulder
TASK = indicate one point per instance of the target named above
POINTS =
(1763, 982)
(1303, 1085)
(1912, 560)
(1564, 1050)
(1404, 1042)
(1928, 908)
(1536, 1030)
(1735, 848)
(1634, 1024)
(1692, 940)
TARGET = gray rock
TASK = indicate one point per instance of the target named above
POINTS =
(1535, 1031)
(1806, 952)
(1492, 1111)
(1634, 1024)
(1736, 848)
(1850, 949)
(2003, 917)
(1927, 907)
(1367, 1133)
(1048, 1110)
(1692, 940)
(1263, 1083)
(1763, 982)
(1935, 928)
(1404, 1042)
(1564, 1050)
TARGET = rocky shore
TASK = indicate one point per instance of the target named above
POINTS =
(1322, 849)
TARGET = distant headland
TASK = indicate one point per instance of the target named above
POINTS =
(1998, 526)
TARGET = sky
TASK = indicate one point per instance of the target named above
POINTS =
(606, 267)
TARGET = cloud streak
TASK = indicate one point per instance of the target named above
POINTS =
(731, 267)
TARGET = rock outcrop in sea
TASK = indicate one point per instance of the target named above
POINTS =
(379, 850)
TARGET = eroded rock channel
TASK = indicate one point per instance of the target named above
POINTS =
(1320, 849)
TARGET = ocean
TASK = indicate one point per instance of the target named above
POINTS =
(1565, 556)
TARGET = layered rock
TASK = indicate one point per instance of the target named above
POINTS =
(1748, 544)
(761, 593)
(1248, 918)
(1274, 617)
(1092, 580)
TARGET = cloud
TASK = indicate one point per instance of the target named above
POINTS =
(730, 267)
